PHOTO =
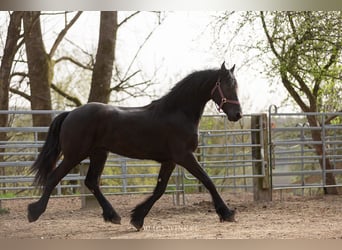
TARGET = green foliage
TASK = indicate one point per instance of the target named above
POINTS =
(7, 195)
(301, 48)
(329, 96)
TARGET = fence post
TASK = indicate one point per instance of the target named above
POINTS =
(262, 188)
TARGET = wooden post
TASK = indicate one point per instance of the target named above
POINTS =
(262, 188)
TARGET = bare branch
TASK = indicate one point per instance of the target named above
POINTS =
(138, 51)
(22, 74)
(81, 49)
(139, 84)
(304, 87)
(22, 94)
(21, 42)
(55, 13)
(139, 93)
(63, 33)
(127, 18)
(293, 27)
(329, 119)
(67, 58)
(122, 82)
(73, 99)
(289, 86)
(269, 38)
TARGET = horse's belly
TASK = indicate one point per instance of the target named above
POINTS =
(140, 146)
(142, 153)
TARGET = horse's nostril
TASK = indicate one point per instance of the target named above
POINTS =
(239, 115)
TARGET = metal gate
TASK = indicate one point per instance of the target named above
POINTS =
(294, 161)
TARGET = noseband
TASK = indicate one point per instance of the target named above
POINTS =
(223, 98)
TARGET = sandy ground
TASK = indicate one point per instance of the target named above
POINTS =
(291, 218)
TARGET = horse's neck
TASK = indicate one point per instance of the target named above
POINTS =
(193, 105)
(189, 96)
(195, 112)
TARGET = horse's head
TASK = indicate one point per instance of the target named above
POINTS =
(224, 94)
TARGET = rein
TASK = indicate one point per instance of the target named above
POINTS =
(223, 98)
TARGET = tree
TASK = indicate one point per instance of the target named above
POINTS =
(106, 77)
(40, 65)
(102, 77)
(40, 69)
(307, 48)
(13, 42)
(105, 56)
(306, 51)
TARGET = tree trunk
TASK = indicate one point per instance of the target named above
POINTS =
(105, 56)
(11, 47)
(316, 136)
(40, 69)
(10, 50)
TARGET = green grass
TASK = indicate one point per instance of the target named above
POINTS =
(7, 196)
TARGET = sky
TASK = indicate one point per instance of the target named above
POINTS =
(183, 43)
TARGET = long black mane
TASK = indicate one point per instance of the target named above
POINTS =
(194, 88)
(191, 85)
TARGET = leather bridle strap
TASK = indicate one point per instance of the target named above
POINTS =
(223, 98)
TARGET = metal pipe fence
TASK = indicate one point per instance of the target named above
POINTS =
(226, 151)
(296, 160)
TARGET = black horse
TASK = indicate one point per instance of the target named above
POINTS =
(166, 131)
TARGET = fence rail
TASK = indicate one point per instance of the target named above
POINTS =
(225, 151)
(272, 152)
(296, 163)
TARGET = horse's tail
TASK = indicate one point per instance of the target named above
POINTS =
(48, 156)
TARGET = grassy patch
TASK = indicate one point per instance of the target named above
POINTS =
(7, 195)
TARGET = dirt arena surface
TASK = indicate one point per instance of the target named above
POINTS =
(291, 218)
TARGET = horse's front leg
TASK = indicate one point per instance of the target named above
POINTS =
(189, 162)
(139, 213)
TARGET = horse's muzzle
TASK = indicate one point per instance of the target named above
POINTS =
(234, 118)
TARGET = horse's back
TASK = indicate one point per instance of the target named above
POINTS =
(126, 131)
(132, 132)
(81, 127)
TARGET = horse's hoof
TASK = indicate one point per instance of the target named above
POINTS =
(229, 217)
(32, 215)
(115, 219)
(138, 224)
(31, 218)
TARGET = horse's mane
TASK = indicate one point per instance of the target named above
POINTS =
(191, 86)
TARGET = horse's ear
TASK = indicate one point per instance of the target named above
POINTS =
(223, 66)
(232, 69)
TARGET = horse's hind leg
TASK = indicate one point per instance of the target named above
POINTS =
(97, 162)
(139, 213)
(37, 208)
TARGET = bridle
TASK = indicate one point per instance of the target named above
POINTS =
(223, 98)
